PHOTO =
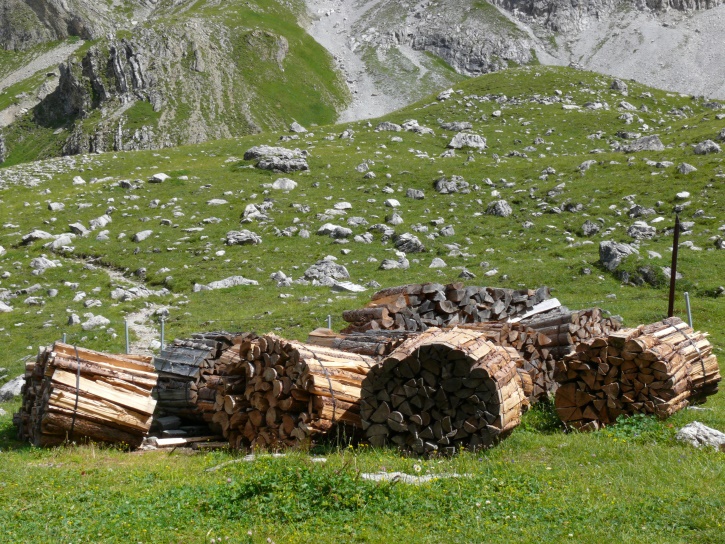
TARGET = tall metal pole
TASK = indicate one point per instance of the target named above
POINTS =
(125, 327)
(673, 268)
(65, 338)
(329, 321)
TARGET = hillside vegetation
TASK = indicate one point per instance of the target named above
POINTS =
(630, 483)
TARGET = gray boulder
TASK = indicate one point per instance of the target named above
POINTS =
(266, 152)
(721, 136)
(447, 186)
(457, 126)
(94, 321)
(4, 308)
(34, 236)
(408, 243)
(2, 251)
(143, 235)
(685, 168)
(697, 434)
(158, 178)
(56, 206)
(611, 254)
(243, 238)
(590, 228)
(646, 143)
(707, 147)
(12, 389)
(499, 208)
(389, 264)
(619, 85)
(466, 139)
(347, 287)
(641, 231)
(438, 263)
(296, 127)
(415, 194)
(334, 231)
(226, 283)
(284, 184)
(387, 126)
(327, 268)
(586, 165)
(79, 229)
(277, 164)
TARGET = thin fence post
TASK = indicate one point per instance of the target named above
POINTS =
(673, 268)
(689, 309)
(329, 321)
(125, 328)
(65, 338)
(162, 331)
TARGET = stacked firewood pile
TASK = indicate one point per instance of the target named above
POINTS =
(653, 369)
(417, 307)
(181, 365)
(275, 393)
(441, 391)
(75, 394)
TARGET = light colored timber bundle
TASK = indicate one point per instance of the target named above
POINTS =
(441, 391)
(78, 394)
(654, 369)
(293, 393)
(417, 307)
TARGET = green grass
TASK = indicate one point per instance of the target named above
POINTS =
(629, 483)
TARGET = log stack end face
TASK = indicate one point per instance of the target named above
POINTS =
(446, 391)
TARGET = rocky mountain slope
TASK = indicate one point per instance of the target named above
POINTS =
(154, 74)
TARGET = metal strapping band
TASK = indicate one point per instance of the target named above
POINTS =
(332, 393)
(78, 392)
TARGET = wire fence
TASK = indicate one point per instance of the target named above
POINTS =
(156, 332)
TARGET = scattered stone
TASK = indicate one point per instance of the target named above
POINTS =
(389, 264)
(619, 85)
(56, 206)
(684, 195)
(12, 389)
(611, 254)
(466, 274)
(392, 203)
(226, 283)
(296, 127)
(159, 178)
(42, 263)
(466, 139)
(216, 202)
(94, 321)
(696, 434)
(457, 126)
(586, 165)
(641, 231)
(415, 194)
(242, 238)
(266, 152)
(4, 308)
(78, 181)
(347, 287)
(284, 184)
(685, 168)
(141, 236)
(277, 164)
(590, 228)
(445, 95)
(334, 231)
(394, 220)
(387, 126)
(499, 208)
(438, 263)
(325, 271)
(707, 147)
(646, 143)
(447, 231)
(79, 229)
(408, 243)
(2, 251)
(34, 236)
(124, 294)
(455, 185)
(721, 136)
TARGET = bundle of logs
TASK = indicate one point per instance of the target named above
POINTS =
(417, 307)
(272, 392)
(540, 341)
(181, 366)
(653, 369)
(75, 394)
(441, 391)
